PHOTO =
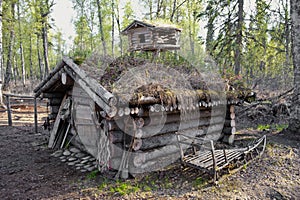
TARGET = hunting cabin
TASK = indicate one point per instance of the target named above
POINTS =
(148, 37)
(139, 135)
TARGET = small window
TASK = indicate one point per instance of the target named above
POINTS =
(142, 38)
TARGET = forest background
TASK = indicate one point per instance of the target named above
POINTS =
(250, 40)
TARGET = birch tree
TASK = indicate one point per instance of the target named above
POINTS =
(294, 125)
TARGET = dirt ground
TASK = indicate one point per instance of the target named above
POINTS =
(28, 171)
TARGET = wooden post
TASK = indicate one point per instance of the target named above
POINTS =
(35, 116)
(8, 110)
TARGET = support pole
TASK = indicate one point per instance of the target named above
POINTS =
(8, 110)
(35, 116)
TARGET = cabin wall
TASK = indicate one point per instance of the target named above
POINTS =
(153, 137)
(140, 38)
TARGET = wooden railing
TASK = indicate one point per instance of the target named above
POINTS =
(24, 107)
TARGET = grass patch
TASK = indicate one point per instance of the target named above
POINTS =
(264, 127)
(199, 182)
(124, 188)
(92, 175)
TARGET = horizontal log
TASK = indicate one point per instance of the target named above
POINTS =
(53, 95)
(156, 164)
(49, 83)
(143, 157)
(51, 74)
(149, 131)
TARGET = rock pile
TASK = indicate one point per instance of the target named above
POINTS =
(76, 158)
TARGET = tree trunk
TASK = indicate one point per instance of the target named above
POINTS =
(7, 77)
(294, 125)
(41, 64)
(30, 57)
(45, 47)
(239, 37)
(101, 27)
(1, 57)
(112, 28)
(21, 47)
(119, 29)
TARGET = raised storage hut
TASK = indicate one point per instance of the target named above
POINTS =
(148, 37)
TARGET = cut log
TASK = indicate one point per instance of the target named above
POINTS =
(66, 79)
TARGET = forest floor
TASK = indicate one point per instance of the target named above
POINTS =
(28, 171)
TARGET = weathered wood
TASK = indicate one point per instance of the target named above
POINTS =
(105, 95)
(9, 118)
(158, 163)
(66, 79)
(110, 110)
(144, 157)
(150, 131)
(49, 83)
(35, 116)
(53, 95)
(56, 125)
(51, 74)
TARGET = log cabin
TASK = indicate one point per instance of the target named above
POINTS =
(149, 37)
(139, 134)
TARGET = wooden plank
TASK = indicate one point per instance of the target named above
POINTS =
(56, 125)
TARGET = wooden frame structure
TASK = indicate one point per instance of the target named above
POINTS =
(204, 156)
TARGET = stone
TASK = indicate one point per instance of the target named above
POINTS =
(71, 163)
(72, 159)
(92, 159)
(86, 158)
(92, 168)
(78, 168)
(62, 157)
(66, 153)
(79, 165)
(95, 163)
(57, 153)
(74, 150)
(79, 155)
(83, 170)
(63, 160)
(84, 161)
(87, 166)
